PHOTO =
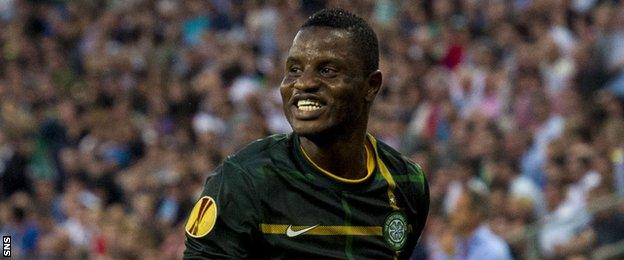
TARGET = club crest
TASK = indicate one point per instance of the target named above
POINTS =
(395, 230)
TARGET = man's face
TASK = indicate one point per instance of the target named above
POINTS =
(324, 88)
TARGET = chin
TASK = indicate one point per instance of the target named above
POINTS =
(309, 128)
(308, 131)
(319, 132)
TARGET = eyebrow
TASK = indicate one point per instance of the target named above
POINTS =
(291, 59)
(330, 59)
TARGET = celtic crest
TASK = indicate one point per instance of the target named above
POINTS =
(395, 230)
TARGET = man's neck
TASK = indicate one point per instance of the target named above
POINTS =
(342, 155)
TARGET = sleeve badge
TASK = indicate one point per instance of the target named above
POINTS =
(202, 218)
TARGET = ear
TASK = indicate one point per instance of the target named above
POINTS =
(374, 84)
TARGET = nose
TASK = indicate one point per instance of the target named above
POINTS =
(307, 82)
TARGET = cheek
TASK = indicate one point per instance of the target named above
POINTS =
(351, 101)
(285, 92)
(350, 90)
(345, 107)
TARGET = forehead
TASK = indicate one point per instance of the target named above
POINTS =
(320, 42)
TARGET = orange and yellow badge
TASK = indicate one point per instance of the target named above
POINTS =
(202, 218)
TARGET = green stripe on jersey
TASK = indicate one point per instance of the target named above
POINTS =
(349, 238)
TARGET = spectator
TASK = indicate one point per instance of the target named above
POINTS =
(472, 238)
(112, 113)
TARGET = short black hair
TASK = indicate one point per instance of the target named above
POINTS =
(363, 36)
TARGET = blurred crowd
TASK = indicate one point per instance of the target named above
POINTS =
(113, 113)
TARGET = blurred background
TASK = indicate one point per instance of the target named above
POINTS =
(113, 113)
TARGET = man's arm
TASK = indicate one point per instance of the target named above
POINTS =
(225, 218)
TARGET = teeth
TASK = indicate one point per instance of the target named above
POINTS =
(308, 105)
(309, 108)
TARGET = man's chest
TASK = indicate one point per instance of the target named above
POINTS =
(301, 222)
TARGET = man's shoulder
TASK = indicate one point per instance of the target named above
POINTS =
(261, 151)
(411, 184)
(397, 162)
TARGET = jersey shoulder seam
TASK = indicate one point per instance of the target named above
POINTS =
(242, 152)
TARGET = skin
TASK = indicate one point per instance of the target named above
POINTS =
(322, 66)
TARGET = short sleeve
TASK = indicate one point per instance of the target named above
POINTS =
(225, 219)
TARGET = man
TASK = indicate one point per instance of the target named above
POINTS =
(328, 190)
(473, 240)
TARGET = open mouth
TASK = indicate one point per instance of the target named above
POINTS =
(309, 105)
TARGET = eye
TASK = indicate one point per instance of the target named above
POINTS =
(294, 70)
(328, 72)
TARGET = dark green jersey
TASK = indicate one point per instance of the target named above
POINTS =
(269, 202)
